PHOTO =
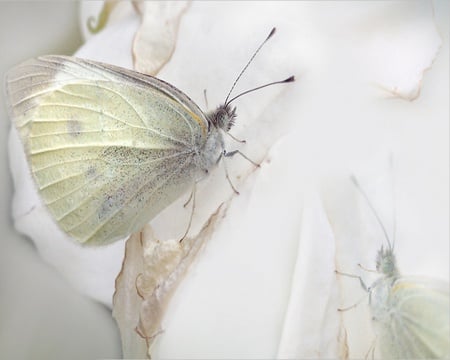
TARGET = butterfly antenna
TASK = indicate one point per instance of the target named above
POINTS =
(394, 211)
(248, 63)
(289, 79)
(358, 186)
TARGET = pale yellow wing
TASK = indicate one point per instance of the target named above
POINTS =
(417, 323)
(108, 148)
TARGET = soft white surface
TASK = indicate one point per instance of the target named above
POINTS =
(43, 316)
(335, 120)
(315, 262)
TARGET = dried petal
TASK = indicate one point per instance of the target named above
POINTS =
(126, 299)
(95, 25)
(155, 40)
(151, 271)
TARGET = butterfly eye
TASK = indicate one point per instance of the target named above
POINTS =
(222, 118)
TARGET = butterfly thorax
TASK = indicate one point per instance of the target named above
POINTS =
(208, 156)
(223, 117)
(380, 300)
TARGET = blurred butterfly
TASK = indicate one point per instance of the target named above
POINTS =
(411, 315)
(109, 148)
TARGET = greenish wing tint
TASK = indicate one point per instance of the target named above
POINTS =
(108, 148)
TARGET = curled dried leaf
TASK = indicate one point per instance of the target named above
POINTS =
(150, 273)
(126, 299)
(155, 40)
(402, 48)
(95, 25)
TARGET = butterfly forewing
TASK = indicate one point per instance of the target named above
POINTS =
(108, 148)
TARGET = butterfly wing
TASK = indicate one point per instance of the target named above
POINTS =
(108, 147)
(417, 321)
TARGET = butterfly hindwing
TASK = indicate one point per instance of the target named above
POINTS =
(108, 148)
(416, 322)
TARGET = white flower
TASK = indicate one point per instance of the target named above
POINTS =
(263, 286)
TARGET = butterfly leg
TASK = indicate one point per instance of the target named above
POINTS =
(227, 175)
(354, 305)
(363, 285)
(191, 198)
(222, 154)
(226, 154)
(235, 138)
(234, 152)
(206, 99)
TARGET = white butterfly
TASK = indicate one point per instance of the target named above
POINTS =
(109, 148)
(411, 315)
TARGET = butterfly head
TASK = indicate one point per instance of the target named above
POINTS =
(386, 262)
(223, 117)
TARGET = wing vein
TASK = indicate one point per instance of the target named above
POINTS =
(177, 170)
